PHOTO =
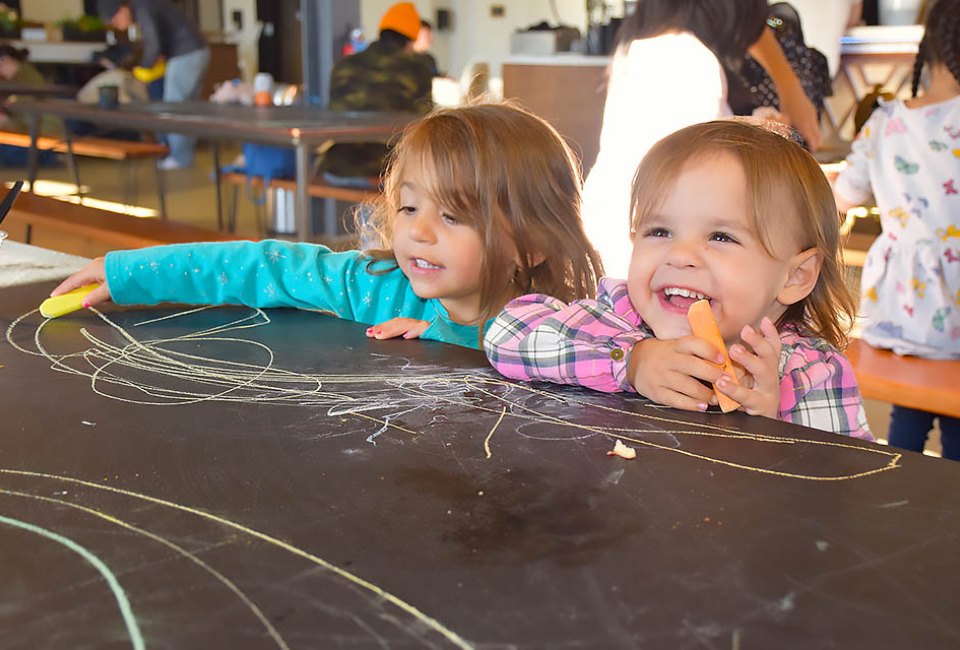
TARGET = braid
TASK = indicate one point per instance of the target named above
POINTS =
(951, 46)
(918, 65)
(941, 40)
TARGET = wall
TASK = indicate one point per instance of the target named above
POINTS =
(45, 10)
(247, 39)
(475, 34)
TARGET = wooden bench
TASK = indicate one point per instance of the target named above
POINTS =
(111, 149)
(90, 232)
(316, 189)
(917, 383)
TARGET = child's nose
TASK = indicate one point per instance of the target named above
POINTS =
(421, 229)
(683, 253)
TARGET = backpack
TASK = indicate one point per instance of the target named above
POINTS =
(267, 162)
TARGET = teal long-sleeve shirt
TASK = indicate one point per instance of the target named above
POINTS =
(278, 274)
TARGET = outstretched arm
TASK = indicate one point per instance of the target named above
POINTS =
(793, 101)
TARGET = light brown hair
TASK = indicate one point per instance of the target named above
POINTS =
(787, 190)
(508, 174)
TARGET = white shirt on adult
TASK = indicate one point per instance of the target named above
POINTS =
(659, 85)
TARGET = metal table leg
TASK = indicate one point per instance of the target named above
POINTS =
(302, 200)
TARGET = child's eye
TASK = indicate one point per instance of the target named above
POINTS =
(723, 237)
(657, 232)
(450, 219)
(406, 209)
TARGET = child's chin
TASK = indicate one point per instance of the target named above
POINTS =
(667, 331)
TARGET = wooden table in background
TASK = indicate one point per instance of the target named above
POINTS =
(301, 127)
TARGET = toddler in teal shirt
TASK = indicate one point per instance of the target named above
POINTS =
(480, 205)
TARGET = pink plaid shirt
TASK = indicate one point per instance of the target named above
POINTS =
(588, 343)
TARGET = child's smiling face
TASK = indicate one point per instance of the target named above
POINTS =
(702, 243)
(440, 253)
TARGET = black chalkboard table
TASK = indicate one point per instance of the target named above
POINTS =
(244, 479)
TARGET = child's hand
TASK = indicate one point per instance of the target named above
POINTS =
(759, 392)
(668, 371)
(92, 272)
(408, 328)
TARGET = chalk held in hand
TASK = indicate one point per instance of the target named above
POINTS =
(66, 303)
(703, 325)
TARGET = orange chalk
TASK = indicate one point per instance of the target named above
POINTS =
(703, 325)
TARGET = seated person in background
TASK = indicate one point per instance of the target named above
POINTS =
(167, 35)
(15, 68)
(423, 43)
(387, 76)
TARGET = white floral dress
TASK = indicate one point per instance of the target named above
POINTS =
(909, 159)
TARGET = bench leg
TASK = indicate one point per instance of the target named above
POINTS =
(72, 163)
(33, 156)
(217, 186)
(161, 192)
(234, 206)
(125, 190)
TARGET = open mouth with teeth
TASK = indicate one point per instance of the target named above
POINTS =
(682, 298)
(419, 263)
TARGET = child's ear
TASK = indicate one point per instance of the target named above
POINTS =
(802, 278)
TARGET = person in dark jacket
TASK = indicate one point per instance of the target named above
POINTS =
(15, 68)
(166, 34)
(387, 76)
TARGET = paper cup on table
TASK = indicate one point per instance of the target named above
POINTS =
(263, 89)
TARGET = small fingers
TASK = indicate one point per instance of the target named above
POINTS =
(698, 347)
(92, 272)
(98, 296)
(684, 392)
(406, 327)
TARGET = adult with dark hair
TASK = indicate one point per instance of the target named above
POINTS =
(387, 76)
(15, 68)
(908, 157)
(423, 43)
(667, 73)
(166, 34)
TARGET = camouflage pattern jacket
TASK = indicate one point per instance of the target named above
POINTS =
(383, 77)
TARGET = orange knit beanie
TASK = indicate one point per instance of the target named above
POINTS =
(403, 19)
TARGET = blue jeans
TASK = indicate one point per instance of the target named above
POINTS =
(181, 82)
(909, 429)
(11, 156)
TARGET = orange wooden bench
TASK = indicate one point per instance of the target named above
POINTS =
(90, 232)
(111, 149)
(917, 383)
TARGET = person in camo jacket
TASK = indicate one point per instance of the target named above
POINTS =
(387, 76)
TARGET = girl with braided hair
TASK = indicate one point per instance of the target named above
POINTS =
(908, 156)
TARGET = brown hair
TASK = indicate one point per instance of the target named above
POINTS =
(11, 52)
(787, 189)
(940, 42)
(508, 174)
(726, 27)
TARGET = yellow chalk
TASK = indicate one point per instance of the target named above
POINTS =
(66, 303)
(703, 325)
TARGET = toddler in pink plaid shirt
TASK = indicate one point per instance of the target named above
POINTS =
(735, 214)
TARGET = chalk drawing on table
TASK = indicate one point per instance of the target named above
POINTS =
(179, 550)
(129, 620)
(379, 594)
(162, 372)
